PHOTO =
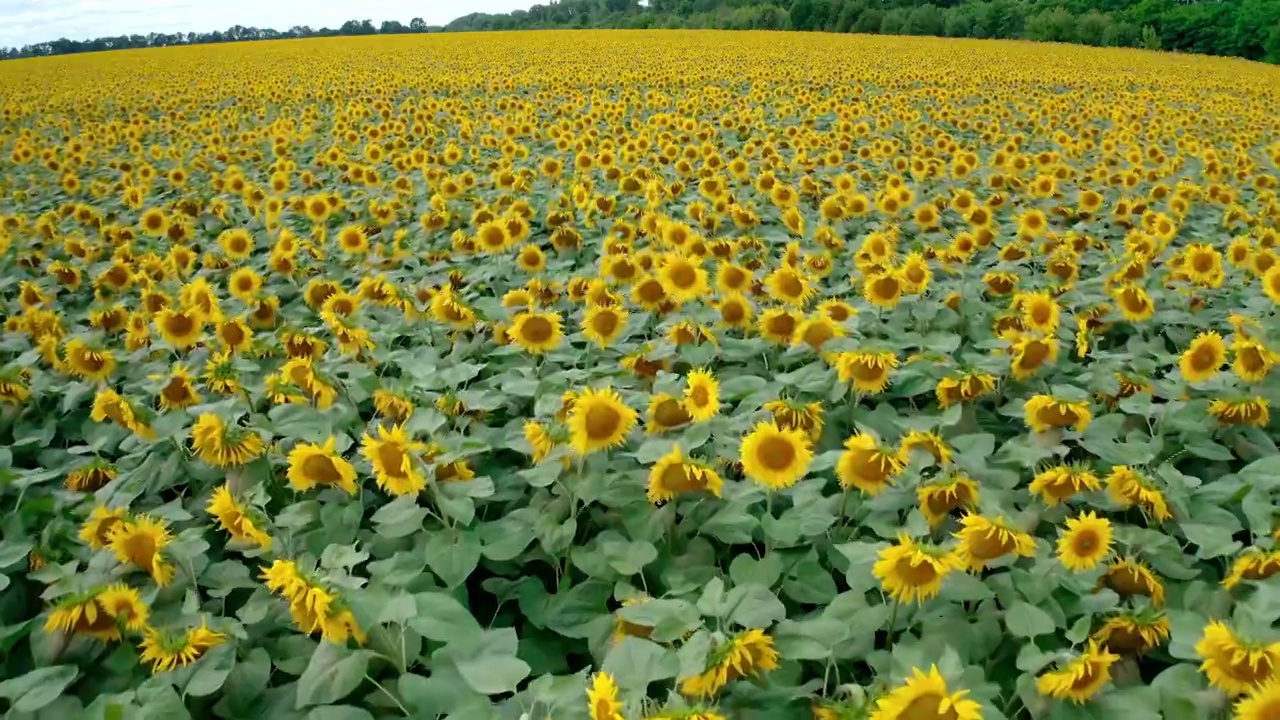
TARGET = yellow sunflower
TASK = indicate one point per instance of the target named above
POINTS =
(683, 278)
(939, 498)
(602, 698)
(536, 332)
(1085, 541)
(788, 285)
(775, 457)
(180, 328)
(1030, 353)
(1061, 482)
(1080, 679)
(926, 696)
(867, 465)
(390, 452)
(795, 416)
(665, 413)
(868, 371)
(931, 443)
(911, 571)
(883, 289)
(1253, 411)
(140, 541)
(701, 395)
(1234, 664)
(1262, 702)
(746, 654)
(88, 362)
(1135, 632)
(178, 390)
(966, 388)
(603, 325)
(983, 540)
(778, 325)
(675, 475)
(1046, 412)
(1130, 577)
(599, 420)
(224, 446)
(1203, 357)
(1253, 359)
(167, 650)
(234, 518)
(1252, 564)
(1130, 487)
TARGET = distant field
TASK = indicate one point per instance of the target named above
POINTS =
(664, 374)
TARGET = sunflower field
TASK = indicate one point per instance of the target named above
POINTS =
(621, 375)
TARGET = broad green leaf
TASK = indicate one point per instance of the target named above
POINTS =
(333, 673)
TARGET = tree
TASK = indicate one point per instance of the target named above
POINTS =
(1150, 38)
(1273, 44)
(1053, 25)
(392, 27)
(924, 20)
(1091, 28)
(869, 21)
(849, 14)
(959, 21)
(809, 14)
(417, 25)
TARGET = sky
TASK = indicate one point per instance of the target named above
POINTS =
(23, 22)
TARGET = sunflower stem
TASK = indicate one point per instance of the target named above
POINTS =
(893, 621)
(394, 699)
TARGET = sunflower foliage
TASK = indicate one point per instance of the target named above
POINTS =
(639, 375)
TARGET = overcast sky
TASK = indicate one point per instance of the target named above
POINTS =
(28, 21)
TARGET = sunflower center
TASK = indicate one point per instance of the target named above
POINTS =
(604, 323)
(1204, 357)
(782, 326)
(683, 275)
(1202, 263)
(1127, 581)
(232, 334)
(1033, 354)
(602, 421)
(670, 413)
(1056, 415)
(816, 334)
(885, 287)
(1086, 542)
(180, 325)
(321, 469)
(867, 370)
(732, 312)
(916, 571)
(536, 329)
(790, 286)
(928, 707)
(650, 292)
(776, 453)
(141, 549)
(700, 396)
(177, 390)
(990, 544)
(677, 478)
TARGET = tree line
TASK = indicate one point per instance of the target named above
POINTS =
(235, 33)
(1241, 28)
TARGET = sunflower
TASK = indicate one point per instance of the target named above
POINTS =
(1252, 564)
(1030, 353)
(926, 696)
(665, 413)
(1130, 487)
(90, 477)
(746, 654)
(794, 416)
(1130, 577)
(603, 325)
(178, 391)
(733, 278)
(838, 310)
(167, 650)
(1261, 702)
(778, 325)
(141, 540)
(1040, 312)
(447, 308)
(493, 237)
(353, 240)
(223, 446)
(675, 475)
(1032, 223)
(735, 310)
(867, 465)
(125, 605)
(868, 371)
(1203, 357)
(539, 438)
(788, 285)
(816, 330)
(244, 284)
(982, 540)
(883, 289)
(85, 614)
(390, 453)
(966, 388)
(1134, 632)
(536, 332)
(109, 404)
(234, 518)
(649, 293)
(602, 698)
(1253, 411)
(599, 420)
(1085, 541)
(1253, 359)
(1080, 679)
(1061, 482)
(915, 274)
(1271, 282)
(701, 395)
(683, 278)
(1046, 412)
(13, 388)
(154, 222)
(97, 528)
(775, 457)
(911, 571)
(930, 442)
(940, 498)
(1234, 664)
(180, 328)
(90, 363)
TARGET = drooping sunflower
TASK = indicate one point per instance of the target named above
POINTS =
(665, 413)
(1235, 664)
(1085, 541)
(234, 518)
(1253, 564)
(109, 404)
(1130, 487)
(536, 332)
(746, 654)
(224, 446)
(97, 528)
(178, 390)
(867, 465)
(125, 605)
(87, 614)
(390, 452)
(1080, 679)
(1030, 353)
(447, 307)
(931, 443)
(1046, 412)
(1135, 632)
(140, 541)
(868, 371)
(911, 571)
(602, 698)
(883, 289)
(167, 650)
(1253, 359)
(540, 439)
(966, 388)
(1060, 482)
(1129, 577)
(1262, 702)
(926, 696)
(1203, 357)
(675, 475)
(775, 457)
(939, 498)
(816, 330)
(806, 418)
(599, 420)
(778, 325)
(1253, 411)
(603, 325)
(701, 395)
(89, 362)
(983, 540)
(91, 476)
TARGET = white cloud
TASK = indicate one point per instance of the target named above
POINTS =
(29, 21)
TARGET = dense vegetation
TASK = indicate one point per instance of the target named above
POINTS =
(1244, 28)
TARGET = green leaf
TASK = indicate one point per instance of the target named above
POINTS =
(452, 555)
(635, 662)
(400, 517)
(766, 571)
(12, 551)
(1025, 620)
(441, 617)
(629, 557)
(492, 675)
(32, 691)
(212, 671)
(333, 673)
(339, 712)
(754, 606)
